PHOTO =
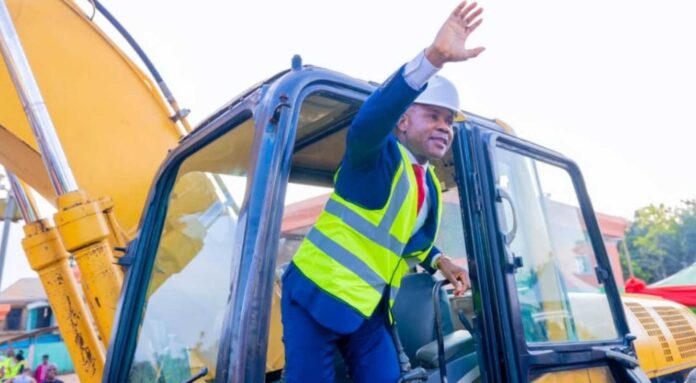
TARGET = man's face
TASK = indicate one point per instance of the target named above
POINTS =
(51, 372)
(426, 131)
(45, 360)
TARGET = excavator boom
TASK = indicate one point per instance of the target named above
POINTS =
(112, 122)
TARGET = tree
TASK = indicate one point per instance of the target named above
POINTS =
(687, 230)
(662, 240)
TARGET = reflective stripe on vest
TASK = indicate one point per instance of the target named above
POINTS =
(346, 258)
(378, 234)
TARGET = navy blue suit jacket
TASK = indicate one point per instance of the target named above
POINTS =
(367, 171)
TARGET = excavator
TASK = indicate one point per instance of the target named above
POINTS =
(181, 234)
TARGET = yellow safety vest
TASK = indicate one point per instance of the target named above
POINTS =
(354, 253)
(11, 368)
(17, 367)
(8, 363)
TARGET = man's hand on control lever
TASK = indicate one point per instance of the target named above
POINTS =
(455, 274)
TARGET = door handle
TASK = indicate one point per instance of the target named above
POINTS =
(502, 196)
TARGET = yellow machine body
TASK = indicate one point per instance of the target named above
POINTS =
(111, 121)
(84, 230)
(587, 375)
(665, 334)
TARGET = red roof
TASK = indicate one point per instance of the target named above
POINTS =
(611, 225)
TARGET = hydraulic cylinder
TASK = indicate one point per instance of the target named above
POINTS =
(84, 229)
(48, 258)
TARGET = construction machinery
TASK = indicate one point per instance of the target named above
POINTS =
(181, 234)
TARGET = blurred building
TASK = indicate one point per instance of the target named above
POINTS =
(574, 255)
(27, 323)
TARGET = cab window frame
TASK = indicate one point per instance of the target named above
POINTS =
(341, 90)
(334, 89)
(545, 356)
(141, 254)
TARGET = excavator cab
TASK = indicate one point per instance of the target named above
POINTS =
(233, 201)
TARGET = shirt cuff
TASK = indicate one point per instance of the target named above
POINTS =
(433, 260)
(418, 71)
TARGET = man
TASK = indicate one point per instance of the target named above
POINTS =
(15, 366)
(381, 219)
(40, 373)
(51, 373)
(8, 363)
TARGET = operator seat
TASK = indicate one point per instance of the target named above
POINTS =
(415, 321)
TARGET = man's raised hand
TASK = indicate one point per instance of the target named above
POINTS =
(450, 43)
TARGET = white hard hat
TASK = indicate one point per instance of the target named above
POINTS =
(441, 92)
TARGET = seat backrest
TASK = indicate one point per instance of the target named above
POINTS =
(414, 313)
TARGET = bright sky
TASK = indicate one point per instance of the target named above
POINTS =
(611, 85)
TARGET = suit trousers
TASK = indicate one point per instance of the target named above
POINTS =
(310, 348)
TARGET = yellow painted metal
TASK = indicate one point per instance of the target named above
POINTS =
(110, 118)
(116, 236)
(197, 363)
(48, 258)
(84, 230)
(506, 127)
(665, 334)
(275, 355)
(582, 375)
(19, 157)
(183, 239)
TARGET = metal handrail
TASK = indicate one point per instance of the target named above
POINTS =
(28, 335)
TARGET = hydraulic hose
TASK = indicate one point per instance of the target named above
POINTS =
(179, 114)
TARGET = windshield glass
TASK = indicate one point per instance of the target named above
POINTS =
(189, 285)
(561, 299)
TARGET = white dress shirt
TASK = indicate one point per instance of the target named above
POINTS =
(419, 71)
(416, 74)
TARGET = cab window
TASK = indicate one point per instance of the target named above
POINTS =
(189, 286)
(560, 297)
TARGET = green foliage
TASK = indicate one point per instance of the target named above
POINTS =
(637, 270)
(661, 240)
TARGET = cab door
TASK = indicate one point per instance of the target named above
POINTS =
(551, 311)
(182, 267)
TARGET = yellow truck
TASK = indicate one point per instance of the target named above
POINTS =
(181, 234)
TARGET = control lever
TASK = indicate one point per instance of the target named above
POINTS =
(203, 372)
(407, 374)
(628, 363)
(465, 321)
(625, 360)
(404, 363)
(438, 330)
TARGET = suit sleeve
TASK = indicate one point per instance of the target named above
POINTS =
(427, 260)
(377, 118)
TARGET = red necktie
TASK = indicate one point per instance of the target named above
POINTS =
(419, 172)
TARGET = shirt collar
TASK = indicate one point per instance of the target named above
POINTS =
(413, 159)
